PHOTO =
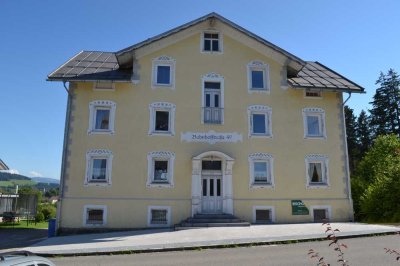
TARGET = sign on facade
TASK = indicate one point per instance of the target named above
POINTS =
(211, 137)
(299, 208)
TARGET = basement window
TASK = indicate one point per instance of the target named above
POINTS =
(159, 216)
(263, 214)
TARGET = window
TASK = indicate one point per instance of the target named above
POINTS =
(160, 169)
(101, 117)
(211, 42)
(259, 121)
(261, 170)
(94, 215)
(314, 123)
(308, 93)
(321, 214)
(317, 171)
(213, 99)
(104, 86)
(263, 214)
(162, 119)
(98, 167)
(159, 216)
(163, 72)
(258, 77)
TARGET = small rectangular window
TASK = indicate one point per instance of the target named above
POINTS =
(315, 172)
(312, 93)
(99, 170)
(257, 79)
(94, 216)
(211, 165)
(313, 125)
(102, 119)
(259, 124)
(212, 85)
(260, 172)
(159, 216)
(211, 42)
(320, 215)
(162, 121)
(263, 216)
(160, 171)
(163, 75)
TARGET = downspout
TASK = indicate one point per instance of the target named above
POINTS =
(351, 214)
(64, 157)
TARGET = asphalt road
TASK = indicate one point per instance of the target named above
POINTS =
(20, 237)
(365, 251)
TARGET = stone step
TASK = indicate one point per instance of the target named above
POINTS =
(184, 225)
(208, 220)
(211, 220)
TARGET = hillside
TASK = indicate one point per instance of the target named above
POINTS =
(46, 180)
(8, 182)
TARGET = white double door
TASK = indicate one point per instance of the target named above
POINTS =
(211, 194)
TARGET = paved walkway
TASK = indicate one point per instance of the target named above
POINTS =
(158, 239)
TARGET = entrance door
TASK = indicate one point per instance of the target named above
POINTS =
(211, 194)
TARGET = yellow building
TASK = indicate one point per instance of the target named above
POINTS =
(207, 118)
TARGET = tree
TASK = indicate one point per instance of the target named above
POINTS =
(363, 133)
(351, 132)
(379, 171)
(385, 112)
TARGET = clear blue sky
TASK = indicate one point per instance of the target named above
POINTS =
(355, 38)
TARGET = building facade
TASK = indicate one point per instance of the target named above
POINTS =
(205, 118)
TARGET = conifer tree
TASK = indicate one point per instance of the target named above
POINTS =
(351, 132)
(363, 134)
(385, 112)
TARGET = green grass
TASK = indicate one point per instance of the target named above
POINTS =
(6, 184)
(22, 224)
(23, 182)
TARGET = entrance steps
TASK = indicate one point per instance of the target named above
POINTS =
(211, 220)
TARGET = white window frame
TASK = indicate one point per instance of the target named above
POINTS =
(317, 158)
(165, 107)
(164, 156)
(258, 66)
(320, 113)
(94, 207)
(220, 42)
(153, 207)
(328, 208)
(269, 208)
(104, 86)
(312, 91)
(98, 154)
(163, 60)
(261, 157)
(101, 105)
(212, 77)
(264, 110)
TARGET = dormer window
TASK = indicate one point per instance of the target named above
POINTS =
(211, 42)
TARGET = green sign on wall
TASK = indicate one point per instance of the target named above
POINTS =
(298, 208)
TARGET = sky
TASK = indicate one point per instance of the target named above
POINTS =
(357, 39)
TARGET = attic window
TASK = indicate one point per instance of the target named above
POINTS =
(313, 93)
(211, 42)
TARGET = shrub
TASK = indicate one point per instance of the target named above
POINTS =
(39, 217)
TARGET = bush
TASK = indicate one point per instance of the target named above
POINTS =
(48, 211)
(39, 217)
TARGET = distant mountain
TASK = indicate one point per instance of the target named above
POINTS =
(45, 180)
(4, 176)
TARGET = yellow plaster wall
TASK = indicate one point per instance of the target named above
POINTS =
(131, 143)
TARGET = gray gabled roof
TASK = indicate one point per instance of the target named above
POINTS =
(124, 56)
(314, 75)
(91, 66)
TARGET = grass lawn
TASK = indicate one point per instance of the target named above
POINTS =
(22, 224)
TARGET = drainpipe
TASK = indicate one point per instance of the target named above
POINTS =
(347, 159)
(64, 156)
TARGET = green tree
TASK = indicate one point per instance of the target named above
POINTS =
(351, 132)
(379, 173)
(385, 112)
(363, 134)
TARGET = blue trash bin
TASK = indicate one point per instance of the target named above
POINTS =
(51, 232)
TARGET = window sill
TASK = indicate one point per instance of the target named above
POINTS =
(261, 185)
(266, 136)
(266, 91)
(162, 133)
(212, 52)
(100, 132)
(94, 224)
(317, 185)
(98, 183)
(314, 137)
(155, 184)
(163, 86)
